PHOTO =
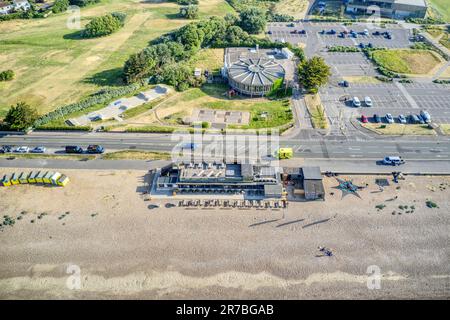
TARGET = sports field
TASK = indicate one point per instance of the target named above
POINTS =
(55, 66)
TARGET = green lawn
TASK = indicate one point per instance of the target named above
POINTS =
(406, 60)
(442, 7)
(54, 66)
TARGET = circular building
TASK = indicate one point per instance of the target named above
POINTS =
(254, 76)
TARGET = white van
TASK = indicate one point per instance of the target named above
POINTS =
(393, 161)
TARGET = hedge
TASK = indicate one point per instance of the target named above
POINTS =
(101, 97)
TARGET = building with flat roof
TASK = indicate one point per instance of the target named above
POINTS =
(220, 178)
(397, 9)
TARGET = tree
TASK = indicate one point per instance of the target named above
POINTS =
(60, 6)
(138, 66)
(253, 20)
(6, 75)
(21, 116)
(313, 73)
(102, 26)
(189, 12)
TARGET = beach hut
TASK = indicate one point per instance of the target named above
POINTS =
(54, 178)
(47, 177)
(63, 180)
(32, 176)
(40, 177)
(6, 182)
(23, 178)
(15, 179)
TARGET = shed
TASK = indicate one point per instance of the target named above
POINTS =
(32, 176)
(15, 178)
(5, 181)
(273, 191)
(40, 177)
(63, 181)
(47, 177)
(23, 178)
(312, 183)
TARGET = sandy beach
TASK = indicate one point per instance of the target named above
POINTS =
(101, 223)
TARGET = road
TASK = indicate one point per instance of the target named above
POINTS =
(432, 148)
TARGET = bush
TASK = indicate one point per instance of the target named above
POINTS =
(83, 3)
(277, 17)
(101, 97)
(60, 6)
(63, 128)
(187, 2)
(189, 12)
(427, 20)
(6, 75)
(104, 25)
(343, 49)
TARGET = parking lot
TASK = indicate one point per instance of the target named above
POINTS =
(394, 98)
(349, 64)
(316, 41)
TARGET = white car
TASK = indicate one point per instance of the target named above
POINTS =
(389, 118)
(22, 149)
(368, 101)
(366, 32)
(356, 102)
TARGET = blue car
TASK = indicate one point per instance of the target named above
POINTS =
(190, 145)
(38, 150)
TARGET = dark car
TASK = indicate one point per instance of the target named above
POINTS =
(6, 149)
(93, 148)
(74, 149)
(269, 32)
(302, 31)
(341, 35)
(376, 33)
(413, 119)
(370, 45)
(344, 83)
(376, 118)
(420, 119)
(332, 31)
(362, 45)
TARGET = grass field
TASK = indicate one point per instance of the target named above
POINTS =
(54, 66)
(441, 7)
(445, 128)
(316, 110)
(136, 155)
(211, 97)
(208, 59)
(400, 129)
(407, 61)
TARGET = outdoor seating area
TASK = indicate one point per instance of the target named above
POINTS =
(35, 177)
(236, 204)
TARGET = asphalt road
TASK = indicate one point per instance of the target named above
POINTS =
(433, 148)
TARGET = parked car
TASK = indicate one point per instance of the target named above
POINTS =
(402, 119)
(425, 116)
(376, 33)
(22, 149)
(341, 35)
(302, 31)
(413, 119)
(6, 149)
(362, 45)
(389, 118)
(356, 102)
(376, 118)
(269, 32)
(368, 101)
(421, 120)
(332, 31)
(38, 150)
(93, 148)
(393, 161)
(366, 32)
(364, 119)
(74, 149)
(344, 83)
(370, 45)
